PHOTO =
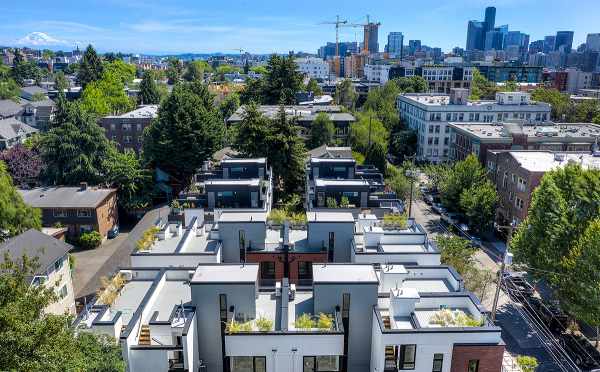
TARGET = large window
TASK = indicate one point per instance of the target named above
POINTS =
(267, 270)
(323, 363)
(248, 364)
(473, 365)
(304, 270)
(406, 359)
(438, 362)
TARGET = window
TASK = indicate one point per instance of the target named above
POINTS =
(84, 213)
(112, 127)
(304, 270)
(60, 213)
(58, 264)
(431, 129)
(248, 364)
(446, 141)
(63, 292)
(223, 306)
(126, 127)
(521, 185)
(437, 128)
(438, 362)
(406, 360)
(321, 363)
(430, 140)
(267, 270)
(519, 203)
(127, 139)
(138, 127)
(473, 365)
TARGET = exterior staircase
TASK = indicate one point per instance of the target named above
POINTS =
(144, 338)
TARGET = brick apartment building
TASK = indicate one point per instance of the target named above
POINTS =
(517, 173)
(478, 138)
(127, 129)
(79, 209)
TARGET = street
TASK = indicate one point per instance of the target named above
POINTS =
(518, 335)
(91, 265)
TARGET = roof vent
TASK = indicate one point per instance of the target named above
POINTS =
(83, 186)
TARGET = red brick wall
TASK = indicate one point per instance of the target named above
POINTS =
(293, 258)
(489, 356)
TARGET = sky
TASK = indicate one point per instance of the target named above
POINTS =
(267, 26)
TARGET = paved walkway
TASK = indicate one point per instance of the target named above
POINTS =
(91, 265)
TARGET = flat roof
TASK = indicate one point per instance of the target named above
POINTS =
(345, 273)
(172, 293)
(129, 299)
(225, 273)
(242, 217)
(332, 160)
(403, 248)
(543, 132)
(302, 113)
(195, 244)
(427, 285)
(146, 111)
(321, 182)
(224, 182)
(244, 160)
(327, 216)
(65, 197)
(544, 161)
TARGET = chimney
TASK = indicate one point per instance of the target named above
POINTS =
(83, 186)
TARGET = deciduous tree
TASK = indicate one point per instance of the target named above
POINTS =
(15, 215)
(345, 94)
(321, 131)
(24, 165)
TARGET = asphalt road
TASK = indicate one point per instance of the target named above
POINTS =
(88, 270)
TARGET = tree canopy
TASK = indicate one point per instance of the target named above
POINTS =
(107, 95)
(278, 85)
(15, 216)
(90, 67)
(345, 94)
(149, 94)
(23, 164)
(382, 101)
(31, 340)
(412, 84)
(187, 131)
(322, 131)
(195, 70)
(22, 70)
(481, 88)
(368, 129)
(558, 241)
(125, 171)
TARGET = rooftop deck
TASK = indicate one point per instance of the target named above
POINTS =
(129, 299)
(173, 293)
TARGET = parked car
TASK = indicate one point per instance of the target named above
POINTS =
(438, 208)
(476, 242)
(450, 218)
(112, 233)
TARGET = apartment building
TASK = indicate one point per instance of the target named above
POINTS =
(430, 114)
(516, 174)
(233, 183)
(478, 138)
(314, 68)
(53, 269)
(304, 116)
(440, 78)
(79, 209)
(377, 73)
(127, 129)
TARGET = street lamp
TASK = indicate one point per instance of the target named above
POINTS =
(506, 260)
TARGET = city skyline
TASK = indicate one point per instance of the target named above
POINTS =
(155, 27)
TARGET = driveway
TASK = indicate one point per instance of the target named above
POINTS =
(105, 260)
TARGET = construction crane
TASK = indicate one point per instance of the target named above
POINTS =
(367, 32)
(337, 24)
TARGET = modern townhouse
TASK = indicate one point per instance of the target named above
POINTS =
(337, 178)
(304, 116)
(127, 129)
(79, 209)
(233, 183)
(440, 78)
(53, 269)
(516, 174)
(430, 114)
(479, 138)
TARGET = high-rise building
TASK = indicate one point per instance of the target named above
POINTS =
(372, 37)
(593, 42)
(536, 46)
(494, 40)
(490, 18)
(475, 36)
(549, 42)
(394, 43)
(564, 41)
(414, 46)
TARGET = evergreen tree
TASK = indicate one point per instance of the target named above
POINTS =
(253, 133)
(90, 68)
(345, 94)
(314, 87)
(279, 84)
(15, 216)
(376, 156)
(322, 131)
(149, 94)
(74, 148)
(229, 104)
(187, 132)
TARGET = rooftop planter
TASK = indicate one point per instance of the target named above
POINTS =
(395, 221)
(454, 318)
(261, 324)
(323, 322)
(277, 217)
(110, 289)
(148, 238)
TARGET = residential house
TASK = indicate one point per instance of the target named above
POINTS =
(39, 114)
(53, 266)
(80, 209)
(11, 109)
(30, 92)
(13, 132)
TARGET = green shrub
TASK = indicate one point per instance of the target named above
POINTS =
(325, 321)
(263, 324)
(527, 363)
(344, 202)
(236, 327)
(277, 216)
(331, 203)
(304, 321)
(399, 220)
(90, 240)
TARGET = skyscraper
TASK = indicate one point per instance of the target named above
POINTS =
(414, 46)
(372, 37)
(490, 18)
(495, 39)
(475, 36)
(549, 42)
(564, 41)
(593, 42)
(394, 43)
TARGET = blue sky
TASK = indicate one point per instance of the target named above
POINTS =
(264, 26)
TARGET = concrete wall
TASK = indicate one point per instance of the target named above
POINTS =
(383, 258)
(318, 236)
(205, 297)
(172, 260)
(148, 360)
(362, 299)
(229, 232)
(284, 359)
(190, 347)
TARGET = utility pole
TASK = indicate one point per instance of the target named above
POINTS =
(506, 260)
(369, 144)
(410, 173)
